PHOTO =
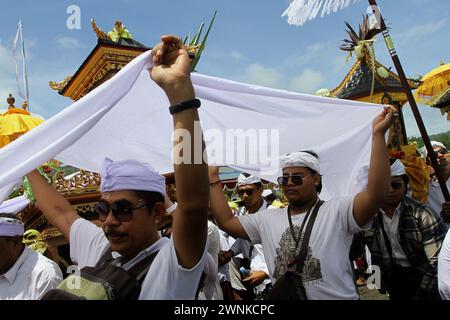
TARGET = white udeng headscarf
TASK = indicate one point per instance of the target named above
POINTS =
(300, 159)
(130, 175)
(424, 152)
(11, 227)
(397, 168)
(243, 180)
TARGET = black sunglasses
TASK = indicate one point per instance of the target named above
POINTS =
(396, 185)
(441, 151)
(122, 210)
(297, 179)
(249, 192)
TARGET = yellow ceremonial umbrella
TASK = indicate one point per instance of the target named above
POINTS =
(433, 83)
(15, 122)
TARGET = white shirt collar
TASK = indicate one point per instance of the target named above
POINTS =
(144, 253)
(396, 211)
(12, 273)
(244, 210)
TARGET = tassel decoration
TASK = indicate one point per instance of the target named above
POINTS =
(301, 11)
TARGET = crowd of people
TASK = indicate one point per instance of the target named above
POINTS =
(201, 248)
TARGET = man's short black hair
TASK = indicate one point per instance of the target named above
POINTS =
(315, 155)
(150, 198)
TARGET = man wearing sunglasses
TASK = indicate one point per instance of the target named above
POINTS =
(132, 200)
(242, 252)
(436, 201)
(405, 240)
(327, 272)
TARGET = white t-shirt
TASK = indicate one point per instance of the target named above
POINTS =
(165, 280)
(256, 254)
(444, 268)
(224, 272)
(435, 196)
(211, 285)
(328, 272)
(391, 228)
(30, 277)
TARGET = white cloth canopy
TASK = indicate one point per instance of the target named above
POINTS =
(14, 205)
(127, 117)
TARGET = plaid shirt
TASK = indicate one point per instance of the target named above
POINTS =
(421, 235)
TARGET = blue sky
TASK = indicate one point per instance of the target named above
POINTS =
(249, 42)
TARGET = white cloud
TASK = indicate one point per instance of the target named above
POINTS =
(309, 81)
(340, 64)
(260, 75)
(434, 121)
(314, 52)
(237, 55)
(420, 31)
(68, 42)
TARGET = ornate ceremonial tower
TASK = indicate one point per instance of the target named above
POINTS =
(370, 81)
(112, 52)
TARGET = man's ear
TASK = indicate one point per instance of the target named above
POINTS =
(317, 179)
(159, 208)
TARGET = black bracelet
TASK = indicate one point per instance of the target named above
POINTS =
(194, 103)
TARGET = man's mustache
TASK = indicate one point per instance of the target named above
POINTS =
(113, 233)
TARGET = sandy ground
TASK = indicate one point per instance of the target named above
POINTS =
(367, 294)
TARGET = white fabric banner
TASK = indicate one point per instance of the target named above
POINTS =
(127, 117)
(14, 205)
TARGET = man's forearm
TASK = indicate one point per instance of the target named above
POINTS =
(50, 201)
(219, 207)
(56, 209)
(368, 202)
(379, 171)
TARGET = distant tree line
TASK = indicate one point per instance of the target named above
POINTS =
(443, 137)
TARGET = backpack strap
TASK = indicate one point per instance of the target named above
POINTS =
(106, 256)
(386, 238)
(140, 269)
(304, 247)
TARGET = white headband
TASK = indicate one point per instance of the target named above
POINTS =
(266, 193)
(397, 168)
(424, 152)
(300, 159)
(243, 180)
(11, 227)
(130, 175)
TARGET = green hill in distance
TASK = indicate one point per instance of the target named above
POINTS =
(443, 137)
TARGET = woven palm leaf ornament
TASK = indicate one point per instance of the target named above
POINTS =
(301, 11)
(196, 46)
(362, 45)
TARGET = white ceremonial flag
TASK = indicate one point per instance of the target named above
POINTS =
(19, 34)
(246, 126)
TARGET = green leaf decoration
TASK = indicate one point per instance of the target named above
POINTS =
(202, 46)
(194, 41)
(27, 191)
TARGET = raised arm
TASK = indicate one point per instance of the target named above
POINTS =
(56, 209)
(220, 209)
(171, 72)
(368, 202)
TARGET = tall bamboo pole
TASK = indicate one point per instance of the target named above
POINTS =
(412, 102)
